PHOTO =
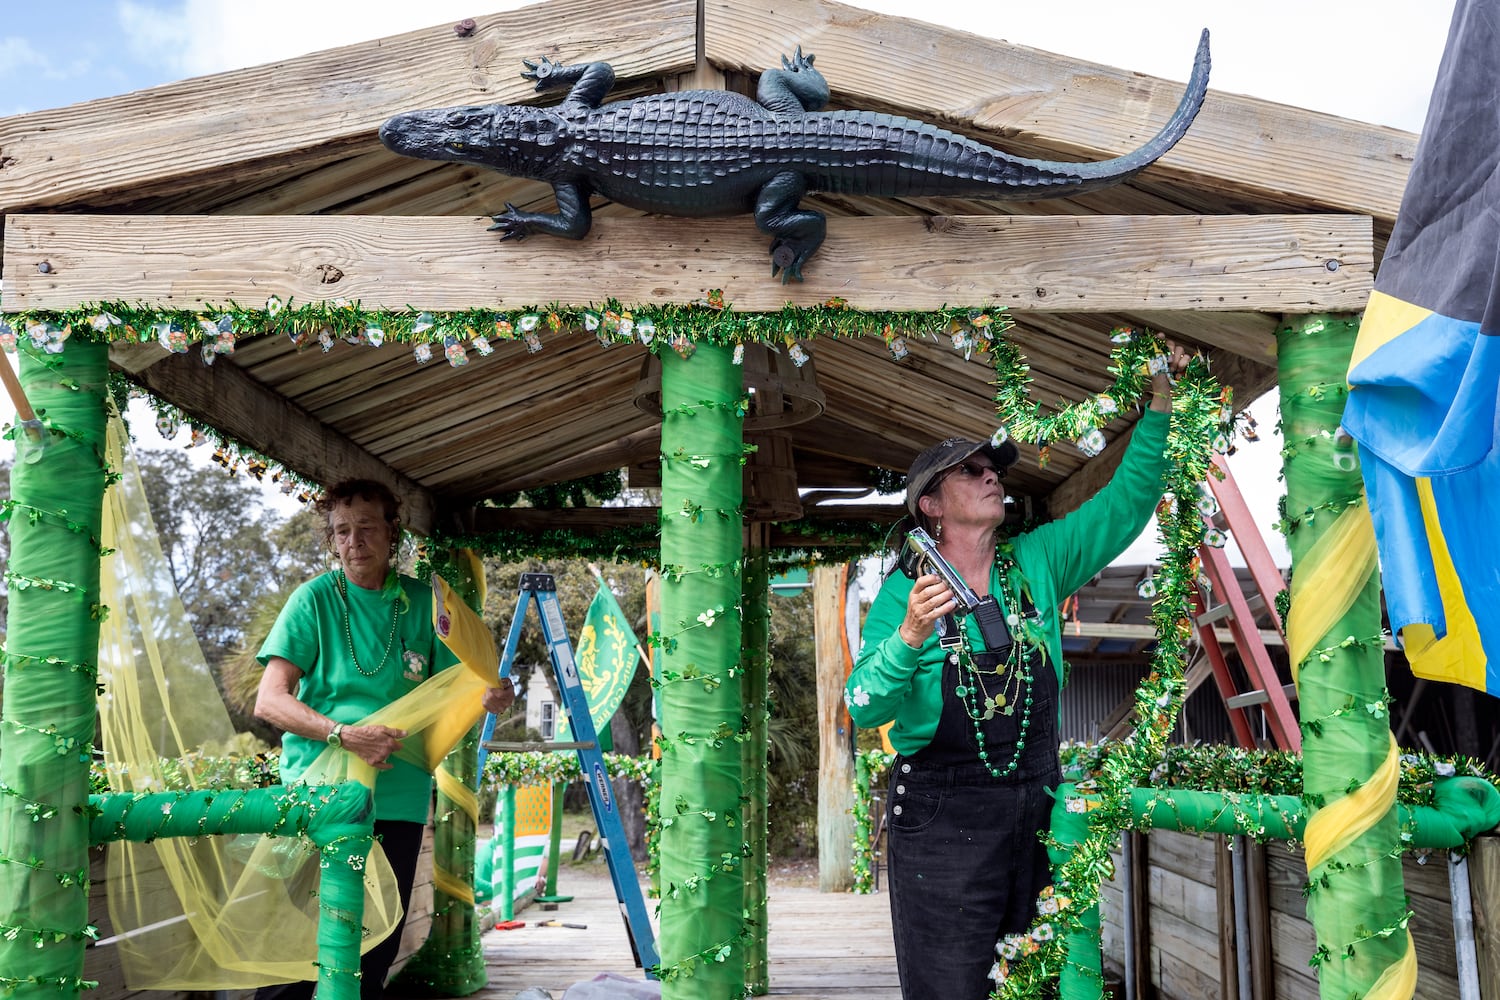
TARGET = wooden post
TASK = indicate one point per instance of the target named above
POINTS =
(835, 752)
(1225, 891)
(1138, 941)
(1258, 911)
(1484, 888)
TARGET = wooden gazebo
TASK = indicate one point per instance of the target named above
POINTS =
(270, 182)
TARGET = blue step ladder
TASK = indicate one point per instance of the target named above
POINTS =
(542, 589)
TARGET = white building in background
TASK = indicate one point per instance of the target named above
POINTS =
(541, 707)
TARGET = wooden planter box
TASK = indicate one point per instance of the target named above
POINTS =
(1187, 950)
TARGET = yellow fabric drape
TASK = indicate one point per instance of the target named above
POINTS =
(231, 912)
(215, 912)
(1338, 824)
(1335, 569)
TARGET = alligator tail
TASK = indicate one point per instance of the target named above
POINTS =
(1112, 171)
(1051, 179)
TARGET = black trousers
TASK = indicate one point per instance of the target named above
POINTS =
(402, 842)
(966, 864)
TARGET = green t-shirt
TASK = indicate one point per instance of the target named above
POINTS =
(310, 634)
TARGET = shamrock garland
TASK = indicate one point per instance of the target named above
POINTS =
(1201, 414)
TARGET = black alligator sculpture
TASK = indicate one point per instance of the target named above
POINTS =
(706, 153)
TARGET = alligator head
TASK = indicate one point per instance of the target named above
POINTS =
(514, 139)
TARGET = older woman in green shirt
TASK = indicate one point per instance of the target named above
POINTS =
(349, 642)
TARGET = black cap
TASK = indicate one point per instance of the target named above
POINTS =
(948, 453)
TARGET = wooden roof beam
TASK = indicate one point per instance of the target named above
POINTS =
(601, 519)
(1036, 103)
(1275, 264)
(235, 126)
(224, 397)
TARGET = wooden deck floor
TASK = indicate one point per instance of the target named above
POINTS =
(823, 946)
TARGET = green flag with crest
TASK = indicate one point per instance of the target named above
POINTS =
(607, 654)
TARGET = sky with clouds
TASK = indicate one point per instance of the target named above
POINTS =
(1373, 61)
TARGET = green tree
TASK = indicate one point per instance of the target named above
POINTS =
(792, 775)
(220, 555)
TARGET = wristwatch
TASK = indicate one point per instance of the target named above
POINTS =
(335, 737)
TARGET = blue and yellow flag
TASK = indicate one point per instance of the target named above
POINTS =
(1426, 370)
(607, 655)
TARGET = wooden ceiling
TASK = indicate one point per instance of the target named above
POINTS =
(1261, 211)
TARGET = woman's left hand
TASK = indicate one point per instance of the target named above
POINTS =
(1161, 383)
(498, 699)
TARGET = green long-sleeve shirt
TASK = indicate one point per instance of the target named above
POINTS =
(893, 681)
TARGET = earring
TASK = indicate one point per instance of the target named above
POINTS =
(937, 530)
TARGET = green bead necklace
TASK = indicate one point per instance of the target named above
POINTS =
(1014, 674)
(390, 642)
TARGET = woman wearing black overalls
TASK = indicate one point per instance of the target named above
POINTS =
(975, 722)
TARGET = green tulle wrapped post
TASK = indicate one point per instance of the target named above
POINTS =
(703, 933)
(450, 962)
(1081, 976)
(51, 657)
(337, 819)
(755, 692)
(1356, 899)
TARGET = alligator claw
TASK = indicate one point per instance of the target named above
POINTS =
(541, 71)
(787, 262)
(797, 62)
(511, 223)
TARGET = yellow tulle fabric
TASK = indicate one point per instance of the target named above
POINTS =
(1398, 981)
(230, 912)
(1336, 570)
(1337, 825)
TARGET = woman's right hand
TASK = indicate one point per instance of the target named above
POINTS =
(928, 601)
(372, 744)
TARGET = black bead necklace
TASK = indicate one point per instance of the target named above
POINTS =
(340, 579)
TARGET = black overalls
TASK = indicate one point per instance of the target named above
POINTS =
(966, 857)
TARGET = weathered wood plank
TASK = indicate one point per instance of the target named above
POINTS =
(1229, 982)
(835, 760)
(1484, 888)
(1045, 264)
(318, 106)
(1188, 855)
(1039, 104)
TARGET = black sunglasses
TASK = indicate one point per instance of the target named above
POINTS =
(970, 469)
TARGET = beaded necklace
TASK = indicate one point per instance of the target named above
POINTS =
(1014, 675)
(390, 642)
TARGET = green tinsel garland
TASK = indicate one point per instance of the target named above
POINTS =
(1202, 412)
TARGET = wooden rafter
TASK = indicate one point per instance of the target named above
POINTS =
(1277, 264)
(224, 397)
(587, 519)
(232, 128)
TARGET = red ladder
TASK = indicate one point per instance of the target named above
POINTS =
(1234, 610)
